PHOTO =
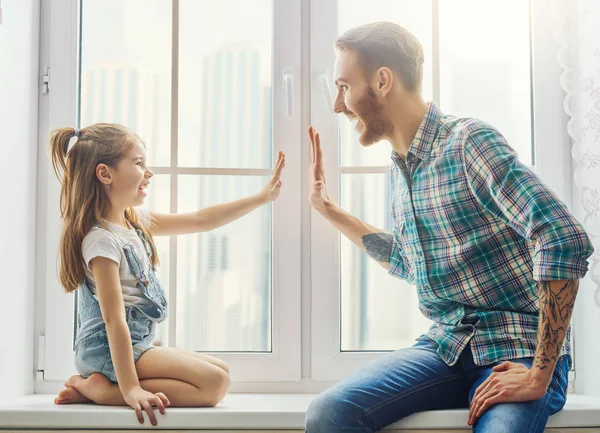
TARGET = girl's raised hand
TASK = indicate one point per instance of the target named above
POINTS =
(273, 187)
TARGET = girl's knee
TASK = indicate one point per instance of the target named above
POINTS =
(217, 362)
(224, 366)
(222, 381)
(215, 385)
(217, 388)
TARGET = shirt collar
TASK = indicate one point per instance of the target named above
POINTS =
(422, 144)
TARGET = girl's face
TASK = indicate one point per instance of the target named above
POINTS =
(130, 179)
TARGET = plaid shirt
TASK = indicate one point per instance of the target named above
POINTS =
(474, 229)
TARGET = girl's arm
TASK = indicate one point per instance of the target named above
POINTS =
(110, 296)
(216, 216)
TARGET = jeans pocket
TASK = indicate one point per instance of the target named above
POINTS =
(91, 354)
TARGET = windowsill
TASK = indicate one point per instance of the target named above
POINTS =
(244, 411)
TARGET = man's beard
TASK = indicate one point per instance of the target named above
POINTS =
(368, 110)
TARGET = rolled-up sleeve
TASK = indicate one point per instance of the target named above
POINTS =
(514, 194)
(397, 266)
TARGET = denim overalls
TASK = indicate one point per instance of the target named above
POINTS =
(92, 354)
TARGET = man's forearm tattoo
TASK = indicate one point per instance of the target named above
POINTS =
(556, 305)
(379, 245)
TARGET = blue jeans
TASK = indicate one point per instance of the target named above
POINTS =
(416, 379)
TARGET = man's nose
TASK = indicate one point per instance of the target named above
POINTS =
(339, 106)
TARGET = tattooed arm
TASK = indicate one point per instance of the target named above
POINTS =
(510, 191)
(556, 306)
(513, 382)
(375, 242)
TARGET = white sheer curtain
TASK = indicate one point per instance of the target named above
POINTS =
(578, 33)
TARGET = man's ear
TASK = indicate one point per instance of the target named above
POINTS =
(385, 79)
(103, 173)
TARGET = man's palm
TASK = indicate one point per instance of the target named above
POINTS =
(316, 174)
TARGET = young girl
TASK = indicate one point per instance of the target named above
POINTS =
(108, 254)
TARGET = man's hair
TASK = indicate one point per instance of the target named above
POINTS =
(385, 44)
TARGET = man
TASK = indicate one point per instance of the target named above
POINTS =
(495, 256)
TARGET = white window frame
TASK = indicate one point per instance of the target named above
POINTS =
(316, 251)
(55, 354)
(553, 164)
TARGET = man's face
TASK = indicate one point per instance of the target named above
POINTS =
(359, 99)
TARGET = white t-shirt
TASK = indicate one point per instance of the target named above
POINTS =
(100, 242)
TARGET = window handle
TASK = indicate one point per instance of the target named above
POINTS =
(288, 85)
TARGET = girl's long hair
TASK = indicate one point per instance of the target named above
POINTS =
(83, 199)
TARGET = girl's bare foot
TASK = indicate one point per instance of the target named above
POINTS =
(70, 395)
(93, 389)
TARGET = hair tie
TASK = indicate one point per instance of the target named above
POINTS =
(72, 141)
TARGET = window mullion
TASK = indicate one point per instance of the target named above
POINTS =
(211, 171)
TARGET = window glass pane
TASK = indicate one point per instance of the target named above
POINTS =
(379, 311)
(225, 91)
(126, 69)
(224, 275)
(485, 67)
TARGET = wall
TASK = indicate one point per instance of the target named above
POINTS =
(19, 52)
